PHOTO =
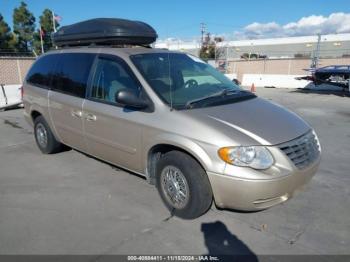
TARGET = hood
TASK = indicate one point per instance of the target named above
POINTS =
(257, 120)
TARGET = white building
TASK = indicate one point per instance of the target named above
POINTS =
(334, 45)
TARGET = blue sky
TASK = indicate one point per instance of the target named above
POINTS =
(181, 18)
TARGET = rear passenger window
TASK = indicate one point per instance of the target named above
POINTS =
(72, 72)
(41, 72)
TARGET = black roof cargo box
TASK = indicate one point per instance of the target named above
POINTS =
(105, 31)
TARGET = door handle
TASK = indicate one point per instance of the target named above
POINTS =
(77, 113)
(90, 117)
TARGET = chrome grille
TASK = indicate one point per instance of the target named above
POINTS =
(303, 150)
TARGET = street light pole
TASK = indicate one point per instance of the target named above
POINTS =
(315, 59)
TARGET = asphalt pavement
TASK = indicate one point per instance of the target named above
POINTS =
(69, 203)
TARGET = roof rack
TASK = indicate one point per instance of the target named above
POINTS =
(105, 32)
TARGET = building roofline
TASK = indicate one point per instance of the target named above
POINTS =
(287, 40)
(178, 45)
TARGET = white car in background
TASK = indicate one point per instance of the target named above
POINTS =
(10, 96)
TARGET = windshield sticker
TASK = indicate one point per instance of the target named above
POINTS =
(196, 59)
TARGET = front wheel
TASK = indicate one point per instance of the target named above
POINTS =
(183, 185)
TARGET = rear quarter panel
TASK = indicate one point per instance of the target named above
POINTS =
(36, 99)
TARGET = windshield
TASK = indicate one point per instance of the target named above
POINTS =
(181, 80)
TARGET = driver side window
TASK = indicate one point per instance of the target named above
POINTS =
(110, 77)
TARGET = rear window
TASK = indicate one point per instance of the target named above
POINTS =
(72, 72)
(41, 72)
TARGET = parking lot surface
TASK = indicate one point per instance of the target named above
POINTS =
(69, 203)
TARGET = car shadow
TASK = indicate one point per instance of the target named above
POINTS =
(323, 90)
(222, 243)
(10, 108)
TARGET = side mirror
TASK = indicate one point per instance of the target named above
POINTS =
(129, 97)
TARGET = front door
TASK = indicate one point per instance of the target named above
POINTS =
(113, 133)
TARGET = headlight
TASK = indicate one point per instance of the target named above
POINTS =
(257, 157)
(317, 140)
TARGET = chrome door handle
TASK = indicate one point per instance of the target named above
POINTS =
(77, 113)
(90, 117)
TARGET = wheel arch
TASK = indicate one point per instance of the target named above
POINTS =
(34, 114)
(36, 110)
(155, 150)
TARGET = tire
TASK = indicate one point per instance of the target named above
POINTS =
(191, 178)
(51, 145)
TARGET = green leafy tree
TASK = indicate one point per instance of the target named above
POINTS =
(46, 24)
(207, 52)
(204, 51)
(13, 42)
(208, 49)
(7, 39)
(36, 42)
(23, 27)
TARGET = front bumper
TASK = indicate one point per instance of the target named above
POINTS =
(256, 194)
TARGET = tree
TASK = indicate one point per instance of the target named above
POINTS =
(47, 27)
(208, 49)
(23, 27)
(12, 44)
(207, 52)
(6, 36)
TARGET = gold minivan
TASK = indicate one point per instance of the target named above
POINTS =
(174, 119)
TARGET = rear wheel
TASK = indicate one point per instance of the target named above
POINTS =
(183, 185)
(44, 137)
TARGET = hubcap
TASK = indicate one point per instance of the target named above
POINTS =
(175, 187)
(41, 135)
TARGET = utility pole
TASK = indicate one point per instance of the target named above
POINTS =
(203, 28)
(315, 59)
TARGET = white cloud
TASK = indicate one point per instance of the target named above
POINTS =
(258, 29)
(310, 25)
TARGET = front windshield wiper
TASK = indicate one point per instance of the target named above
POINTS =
(224, 92)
